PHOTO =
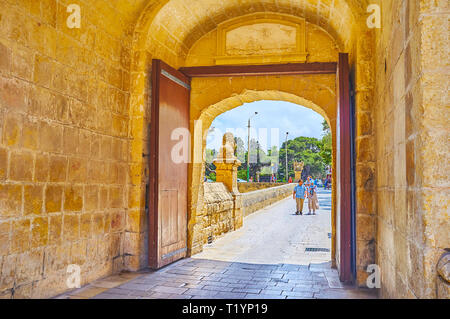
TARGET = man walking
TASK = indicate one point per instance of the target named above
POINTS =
(299, 196)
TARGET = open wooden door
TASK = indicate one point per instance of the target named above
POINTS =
(344, 173)
(168, 176)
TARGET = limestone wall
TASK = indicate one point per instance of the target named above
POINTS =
(256, 200)
(63, 146)
(74, 113)
(249, 187)
(411, 103)
(218, 213)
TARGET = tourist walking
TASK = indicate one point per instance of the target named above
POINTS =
(299, 197)
(313, 201)
(309, 181)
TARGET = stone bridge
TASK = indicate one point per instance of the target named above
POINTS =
(224, 205)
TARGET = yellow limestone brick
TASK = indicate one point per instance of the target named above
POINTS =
(53, 198)
(10, 200)
(33, 199)
(73, 198)
(39, 233)
(20, 239)
(3, 163)
(30, 134)
(21, 166)
(12, 129)
(58, 171)
(41, 171)
(71, 227)
(55, 227)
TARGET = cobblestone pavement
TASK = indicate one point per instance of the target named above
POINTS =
(265, 259)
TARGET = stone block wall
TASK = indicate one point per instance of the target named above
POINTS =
(63, 146)
(217, 219)
(256, 200)
(250, 187)
(411, 103)
(74, 113)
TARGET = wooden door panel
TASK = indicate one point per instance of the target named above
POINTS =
(169, 217)
(344, 194)
(168, 178)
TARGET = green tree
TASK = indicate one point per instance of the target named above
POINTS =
(242, 174)
(210, 168)
(327, 144)
(258, 158)
(240, 151)
(302, 149)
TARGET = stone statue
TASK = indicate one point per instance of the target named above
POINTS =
(298, 169)
(226, 153)
(227, 163)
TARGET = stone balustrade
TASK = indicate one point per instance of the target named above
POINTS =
(250, 187)
(218, 218)
(256, 200)
(226, 202)
(224, 210)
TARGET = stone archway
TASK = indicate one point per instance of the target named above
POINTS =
(77, 101)
(202, 121)
(176, 41)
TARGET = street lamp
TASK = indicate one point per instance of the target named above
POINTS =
(248, 148)
(287, 133)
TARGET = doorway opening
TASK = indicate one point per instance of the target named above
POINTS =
(336, 76)
(268, 134)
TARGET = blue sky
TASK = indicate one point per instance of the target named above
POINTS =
(273, 117)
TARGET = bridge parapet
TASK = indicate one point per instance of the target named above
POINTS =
(225, 211)
(256, 200)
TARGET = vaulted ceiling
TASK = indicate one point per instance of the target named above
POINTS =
(178, 24)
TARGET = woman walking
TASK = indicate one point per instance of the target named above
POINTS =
(313, 201)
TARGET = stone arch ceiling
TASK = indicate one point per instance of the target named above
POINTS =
(180, 23)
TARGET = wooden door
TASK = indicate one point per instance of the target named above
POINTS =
(344, 173)
(168, 176)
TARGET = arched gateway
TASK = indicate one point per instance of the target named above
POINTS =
(247, 53)
(169, 216)
(87, 115)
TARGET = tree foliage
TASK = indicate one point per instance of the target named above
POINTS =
(327, 144)
(306, 150)
(315, 153)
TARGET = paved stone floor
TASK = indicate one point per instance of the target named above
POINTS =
(265, 259)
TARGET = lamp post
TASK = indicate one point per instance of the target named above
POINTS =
(287, 133)
(248, 148)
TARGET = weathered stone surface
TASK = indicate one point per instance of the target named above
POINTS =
(443, 267)
(259, 199)
(249, 187)
(410, 144)
(68, 118)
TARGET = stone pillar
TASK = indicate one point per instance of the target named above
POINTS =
(298, 169)
(226, 172)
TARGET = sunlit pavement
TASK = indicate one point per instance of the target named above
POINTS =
(276, 235)
(265, 259)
